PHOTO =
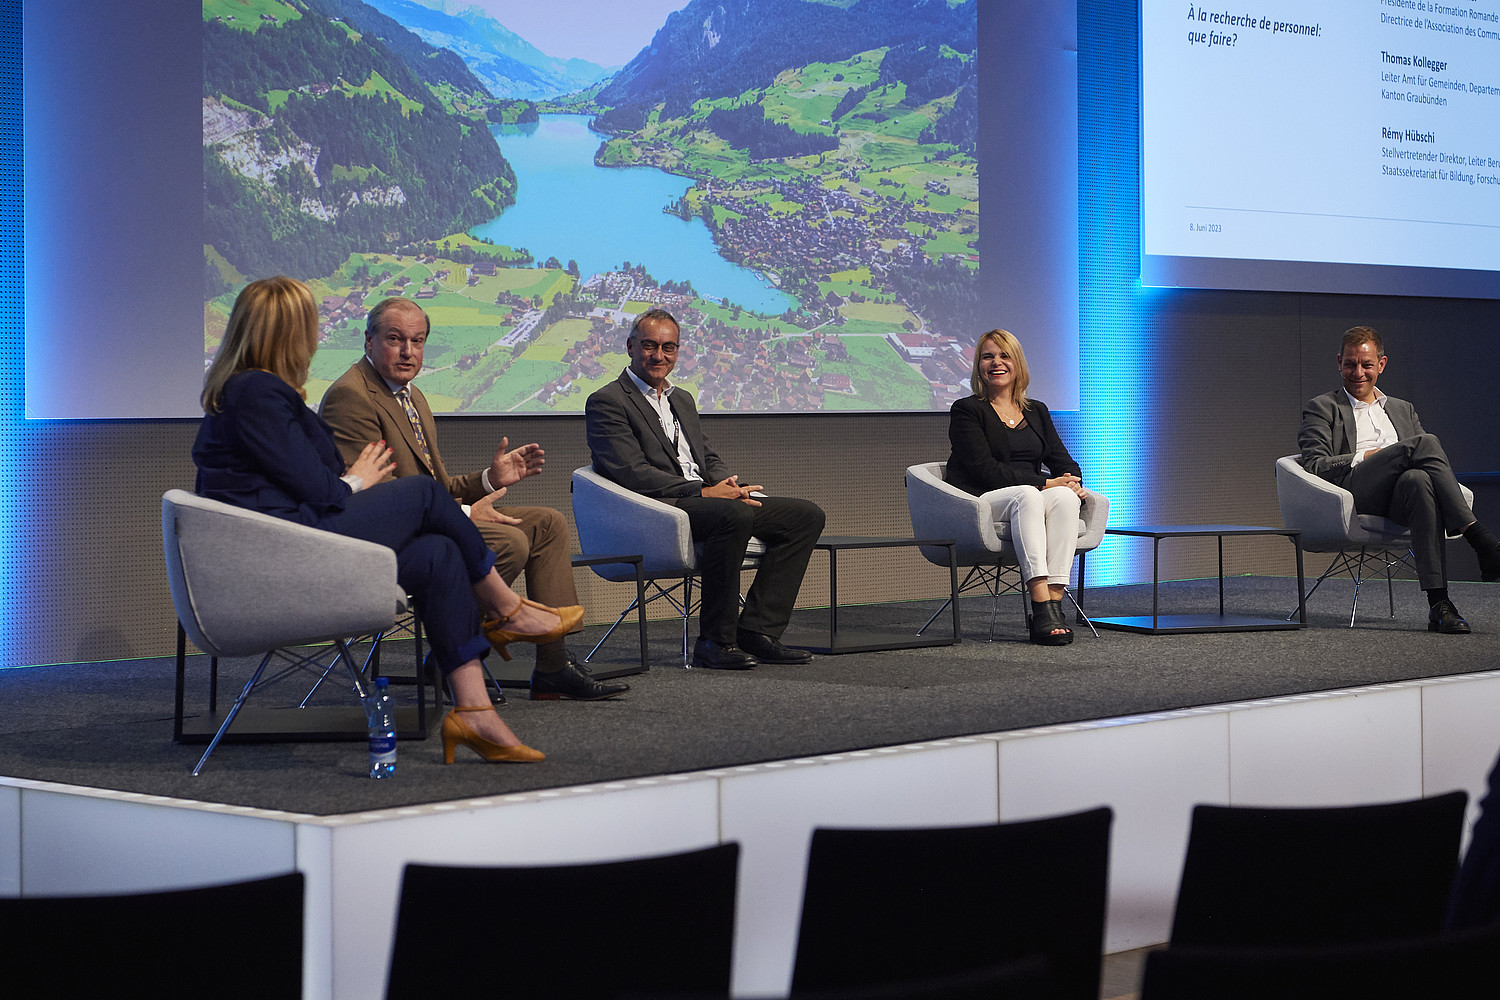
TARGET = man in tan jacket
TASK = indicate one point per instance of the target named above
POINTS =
(374, 400)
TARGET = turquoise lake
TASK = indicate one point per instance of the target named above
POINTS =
(568, 208)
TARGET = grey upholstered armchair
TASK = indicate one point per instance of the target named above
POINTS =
(1362, 542)
(613, 520)
(245, 583)
(939, 510)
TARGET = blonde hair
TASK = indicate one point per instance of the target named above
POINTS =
(1004, 341)
(273, 327)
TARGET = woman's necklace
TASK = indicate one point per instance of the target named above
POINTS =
(999, 412)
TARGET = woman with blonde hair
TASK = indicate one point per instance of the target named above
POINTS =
(1001, 442)
(262, 448)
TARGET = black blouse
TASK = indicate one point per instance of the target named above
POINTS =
(987, 455)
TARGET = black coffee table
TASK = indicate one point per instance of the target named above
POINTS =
(1157, 624)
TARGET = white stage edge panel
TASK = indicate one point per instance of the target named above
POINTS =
(1378, 743)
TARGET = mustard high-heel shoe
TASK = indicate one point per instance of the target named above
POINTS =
(499, 636)
(456, 731)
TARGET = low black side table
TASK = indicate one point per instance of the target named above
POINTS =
(848, 641)
(1157, 623)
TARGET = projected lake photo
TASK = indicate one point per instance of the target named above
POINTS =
(795, 180)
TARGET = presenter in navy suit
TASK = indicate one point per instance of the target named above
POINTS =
(262, 448)
(1002, 441)
(1373, 445)
(644, 434)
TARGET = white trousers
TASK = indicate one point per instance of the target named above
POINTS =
(1043, 529)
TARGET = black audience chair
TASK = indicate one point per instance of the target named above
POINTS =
(657, 925)
(1318, 876)
(1022, 979)
(240, 941)
(1455, 964)
(884, 907)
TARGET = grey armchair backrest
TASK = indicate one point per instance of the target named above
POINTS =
(939, 510)
(612, 520)
(245, 583)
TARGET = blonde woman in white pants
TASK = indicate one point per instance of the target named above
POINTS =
(1002, 443)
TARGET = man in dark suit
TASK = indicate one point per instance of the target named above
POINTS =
(1374, 446)
(644, 434)
(375, 401)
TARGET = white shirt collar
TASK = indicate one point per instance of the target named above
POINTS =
(1379, 399)
(395, 387)
(646, 389)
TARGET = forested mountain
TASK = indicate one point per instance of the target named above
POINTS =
(509, 65)
(716, 48)
(433, 64)
(328, 133)
(747, 128)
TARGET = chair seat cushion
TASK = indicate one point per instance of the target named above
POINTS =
(1002, 528)
(754, 550)
(1382, 527)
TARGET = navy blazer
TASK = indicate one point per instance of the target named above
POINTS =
(980, 460)
(630, 447)
(267, 451)
(1328, 434)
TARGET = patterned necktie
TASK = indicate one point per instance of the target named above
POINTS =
(416, 424)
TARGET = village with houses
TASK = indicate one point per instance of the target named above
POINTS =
(539, 339)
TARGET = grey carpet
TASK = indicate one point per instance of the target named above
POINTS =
(109, 725)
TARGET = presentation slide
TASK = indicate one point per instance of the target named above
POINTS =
(798, 181)
(1325, 145)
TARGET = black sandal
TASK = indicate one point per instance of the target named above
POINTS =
(1046, 618)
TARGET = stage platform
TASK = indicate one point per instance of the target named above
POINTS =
(97, 798)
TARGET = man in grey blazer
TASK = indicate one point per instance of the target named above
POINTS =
(644, 434)
(1374, 446)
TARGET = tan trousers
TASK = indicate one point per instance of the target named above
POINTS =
(540, 548)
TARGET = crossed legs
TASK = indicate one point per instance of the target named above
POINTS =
(1412, 483)
(538, 546)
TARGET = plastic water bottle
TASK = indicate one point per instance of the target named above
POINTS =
(382, 730)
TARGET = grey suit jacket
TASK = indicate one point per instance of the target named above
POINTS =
(629, 446)
(1328, 432)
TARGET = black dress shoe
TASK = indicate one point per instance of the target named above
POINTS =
(1489, 564)
(574, 682)
(721, 655)
(769, 649)
(1444, 618)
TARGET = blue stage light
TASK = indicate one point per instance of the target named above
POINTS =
(12, 321)
(1115, 426)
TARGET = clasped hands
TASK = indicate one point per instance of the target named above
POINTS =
(1067, 480)
(730, 489)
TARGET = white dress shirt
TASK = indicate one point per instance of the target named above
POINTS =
(1372, 426)
(660, 402)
